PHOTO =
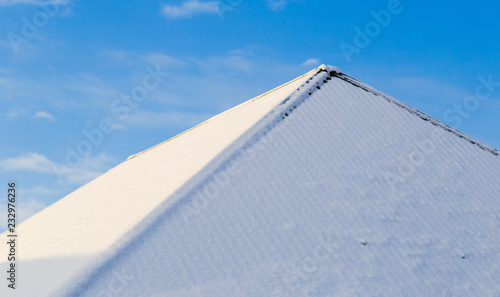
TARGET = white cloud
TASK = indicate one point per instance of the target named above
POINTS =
(277, 4)
(431, 89)
(311, 63)
(227, 64)
(164, 61)
(38, 191)
(88, 169)
(30, 162)
(116, 127)
(15, 113)
(44, 115)
(216, 83)
(32, 2)
(13, 2)
(241, 52)
(191, 8)
(78, 175)
(117, 55)
(63, 92)
(166, 119)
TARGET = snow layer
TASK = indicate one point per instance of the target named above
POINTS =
(324, 187)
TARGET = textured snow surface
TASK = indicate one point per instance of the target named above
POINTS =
(321, 188)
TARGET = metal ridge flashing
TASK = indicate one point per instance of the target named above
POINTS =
(416, 112)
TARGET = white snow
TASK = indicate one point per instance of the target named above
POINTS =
(337, 193)
(329, 68)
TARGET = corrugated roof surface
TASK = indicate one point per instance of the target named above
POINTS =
(325, 187)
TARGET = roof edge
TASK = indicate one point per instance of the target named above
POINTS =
(416, 112)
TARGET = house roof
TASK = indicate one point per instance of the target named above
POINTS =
(321, 186)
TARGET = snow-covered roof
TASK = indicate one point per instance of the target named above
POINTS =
(321, 187)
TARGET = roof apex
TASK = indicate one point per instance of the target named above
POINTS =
(329, 68)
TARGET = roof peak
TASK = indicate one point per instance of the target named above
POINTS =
(329, 68)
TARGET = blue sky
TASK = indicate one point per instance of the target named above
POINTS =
(67, 68)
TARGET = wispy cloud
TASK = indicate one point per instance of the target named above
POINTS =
(29, 162)
(191, 8)
(277, 4)
(13, 2)
(32, 2)
(39, 191)
(431, 95)
(15, 113)
(44, 115)
(311, 62)
(215, 83)
(116, 127)
(167, 119)
(227, 64)
(166, 62)
(90, 167)
(431, 86)
(115, 55)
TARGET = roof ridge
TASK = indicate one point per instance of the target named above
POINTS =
(415, 111)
